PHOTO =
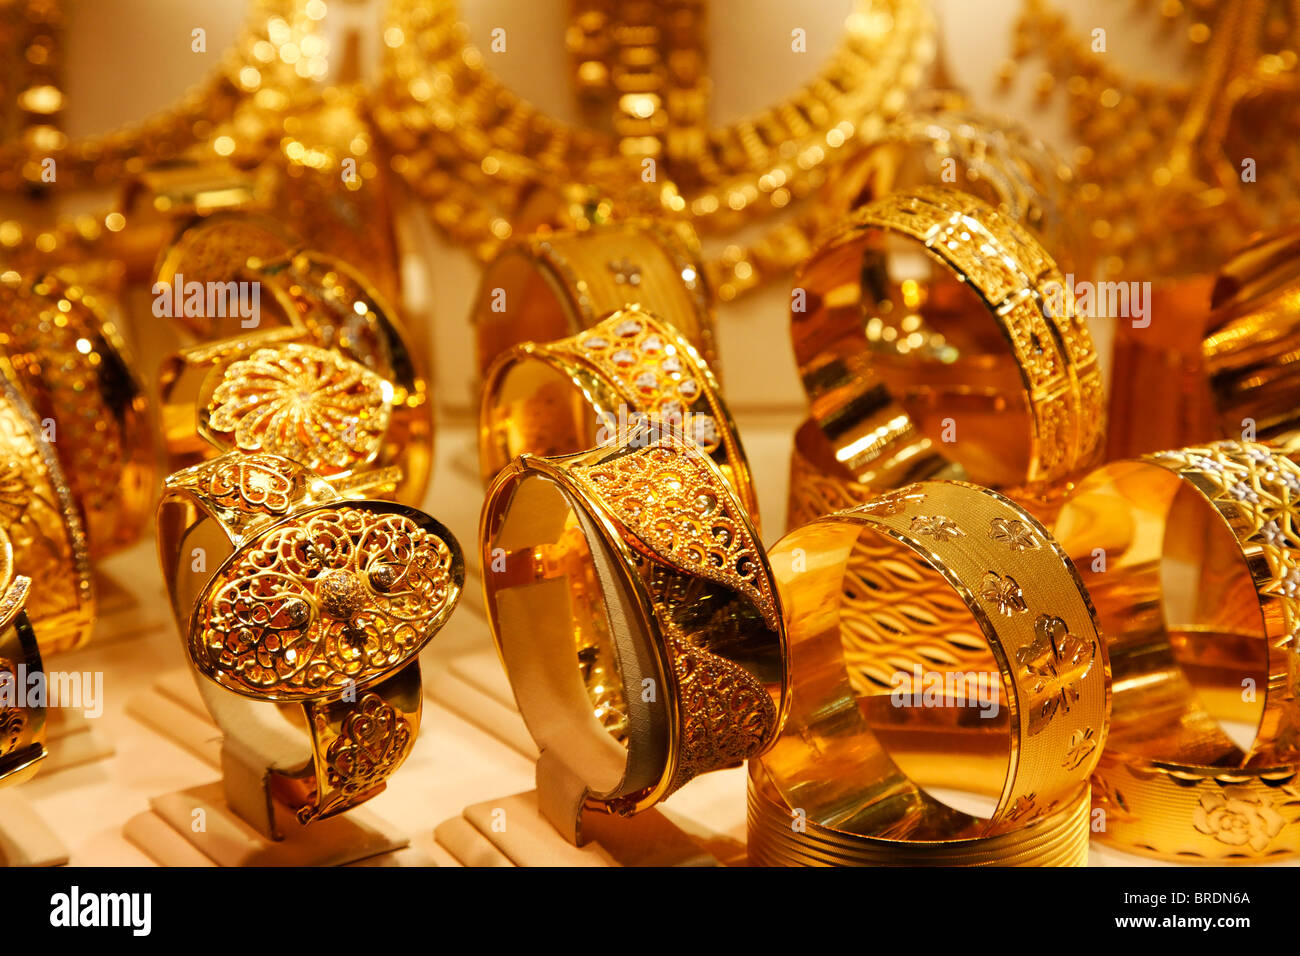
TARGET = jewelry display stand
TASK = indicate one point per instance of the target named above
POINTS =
(236, 821)
(25, 839)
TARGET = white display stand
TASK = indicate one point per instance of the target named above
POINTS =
(216, 820)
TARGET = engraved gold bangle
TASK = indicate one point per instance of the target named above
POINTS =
(284, 593)
(555, 284)
(1191, 560)
(74, 368)
(936, 581)
(987, 156)
(633, 608)
(1252, 345)
(936, 338)
(40, 517)
(562, 397)
(22, 725)
(320, 306)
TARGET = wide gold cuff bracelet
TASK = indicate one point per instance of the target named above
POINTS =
(42, 521)
(74, 368)
(634, 611)
(558, 398)
(1191, 557)
(555, 284)
(284, 593)
(22, 723)
(328, 379)
(939, 637)
(936, 338)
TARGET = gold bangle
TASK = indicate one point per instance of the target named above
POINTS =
(323, 307)
(315, 601)
(1190, 557)
(885, 349)
(22, 726)
(863, 672)
(40, 516)
(778, 836)
(74, 368)
(555, 284)
(990, 157)
(562, 397)
(1253, 340)
(633, 609)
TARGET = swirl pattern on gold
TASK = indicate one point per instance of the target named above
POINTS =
(373, 742)
(332, 598)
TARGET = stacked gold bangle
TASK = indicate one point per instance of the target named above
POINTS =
(869, 727)
(634, 611)
(1191, 560)
(561, 397)
(917, 290)
(553, 285)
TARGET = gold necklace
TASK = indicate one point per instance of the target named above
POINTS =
(1176, 176)
(474, 151)
(265, 75)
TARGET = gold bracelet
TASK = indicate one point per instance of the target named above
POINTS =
(22, 725)
(989, 157)
(634, 611)
(1190, 558)
(1252, 341)
(562, 397)
(553, 285)
(284, 593)
(882, 707)
(922, 321)
(778, 836)
(74, 368)
(40, 517)
(338, 386)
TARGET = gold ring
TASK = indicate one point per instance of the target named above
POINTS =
(74, 368)
(908, 619)
(634, 612)
(561, 397)
(1191, 560)
(286, 593)
(555, 284)
(925, 319)
(39, 515)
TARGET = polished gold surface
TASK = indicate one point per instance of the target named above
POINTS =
(1190, 557)
(881, 709)
(311, 600)
(634, 564)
